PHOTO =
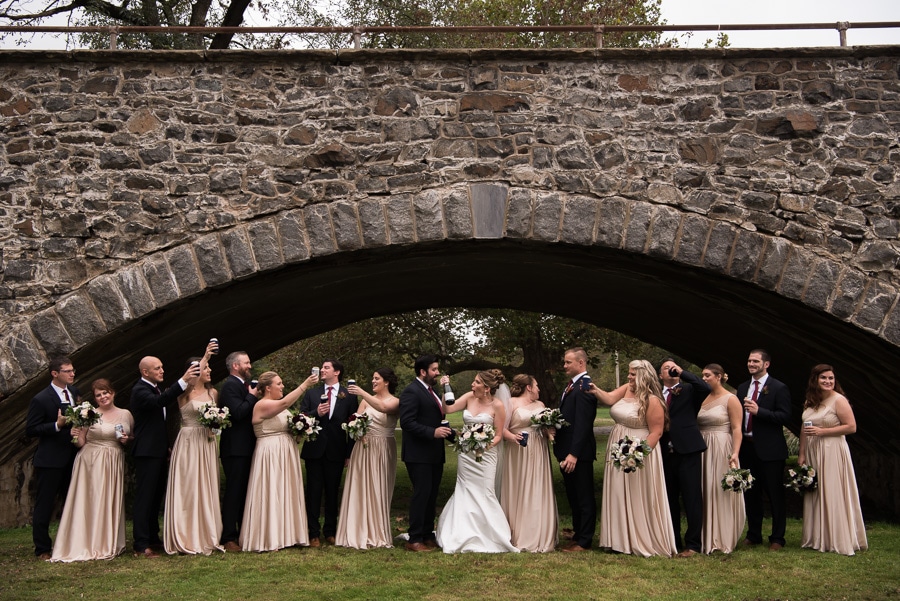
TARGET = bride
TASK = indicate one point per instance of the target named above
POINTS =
(472, 520)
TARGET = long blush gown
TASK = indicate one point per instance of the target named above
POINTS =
(526, 492)
(192, 522)
(93, 519)
(723, 510)
(365, 518)
(635, 514)
(832, 518)
(275, 510)
(472, 520)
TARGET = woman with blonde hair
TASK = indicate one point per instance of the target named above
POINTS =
(526, 492)
(472, 520)
(832, 518)
(192, 522)
(720, 424)
(635, 514)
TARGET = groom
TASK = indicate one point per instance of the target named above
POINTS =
(421, 413)
(576, 448)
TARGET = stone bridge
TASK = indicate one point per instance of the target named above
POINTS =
(707, 201)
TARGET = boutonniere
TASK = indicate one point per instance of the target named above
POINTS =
(765, 390)
(675, 391)
(342, 395)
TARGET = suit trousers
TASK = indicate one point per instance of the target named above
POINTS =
(426, 480)
(149, 490)
(684, 482)
(237, 478)
(323, 477)
(51, 482)
(769, 479)
(579, 486)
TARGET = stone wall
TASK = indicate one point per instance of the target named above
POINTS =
(132, 182)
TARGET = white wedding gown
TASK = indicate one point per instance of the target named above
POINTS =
(472, 520)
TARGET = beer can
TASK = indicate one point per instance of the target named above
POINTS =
(120, 430)
(315, 371)
(524, 441)
(216, 342)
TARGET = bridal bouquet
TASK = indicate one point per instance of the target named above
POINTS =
(549, 418)
(215, 418)
(628, 454)
(82, 416)
(358, 426)
(803, 479)
(303, 426)
(475, 439)
(737, 480)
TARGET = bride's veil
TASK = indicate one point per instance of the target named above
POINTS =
(504, 395)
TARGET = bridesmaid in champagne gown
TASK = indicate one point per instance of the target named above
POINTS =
(365, 517)
(720, 424)
(526, 492)
(93, 520)
(472, 521)
(192, 522)
(275, 510)
(635, 514)
(832, 518)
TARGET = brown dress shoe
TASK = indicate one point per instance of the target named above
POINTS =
(232, 547)
(329, 540)
(574, 548)
(748, 543)
(44, 557)
(148, 553)
(432, 544)
(776, 547)
(687, 553)
(417, 547)
(314, 542)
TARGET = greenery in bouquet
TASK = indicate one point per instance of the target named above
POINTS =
(302, 426)
(737, 480)
(84, 415)
(549, 418)
(215, 418)
(357, 426)
(476, 439)
(628, 454)
(802, 480)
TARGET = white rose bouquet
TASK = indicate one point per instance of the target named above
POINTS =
(628, 454)
(302, 426)
(358, 426)
(215, 418)
(475, 439)
(737, 480)
(84, 415)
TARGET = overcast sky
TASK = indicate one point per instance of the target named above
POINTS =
(722, 12)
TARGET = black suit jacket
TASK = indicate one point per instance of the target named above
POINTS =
(55, 449)
(420, 416)
(579, 408)
(332, 443)
(150, 439)
(774, 413)
(683, 432)
(238, 440)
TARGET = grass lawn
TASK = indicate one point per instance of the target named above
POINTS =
(332, 573)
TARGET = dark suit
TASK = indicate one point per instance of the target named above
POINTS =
(236, 450)
(682, 448)
(763, 454)
(423, 454)
(53, 460)
(150, 451)
(325, 457)
(579, 408)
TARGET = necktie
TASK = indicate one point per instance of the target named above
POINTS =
(437, 399)
(66, 394)
(669, 398)
(753, 398)
(330, 401)
(567, 390)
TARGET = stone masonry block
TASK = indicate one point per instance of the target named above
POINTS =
(579, 216)
(611, 222)
(663, 232)
(211, 260)
(292, 234)
(318, 228)
(400, 219)
(692, 242)
(238, 252)
(346, 225)
(638, 227)
(821, 284)
(458, 211)
(850, 289)
(27, 351)
(51, 334)
(372, 222)
(429, 217)
(80, 318)
(184, 270)
(547, 212)
(879, 299)
(162, 284)
(519, 213)
(265, 245)
(796, 273)
(718, 248)
(136, 290)
(773, 261)
(748, 251)
(109, 301)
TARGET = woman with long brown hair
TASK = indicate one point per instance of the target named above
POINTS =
(832, 518)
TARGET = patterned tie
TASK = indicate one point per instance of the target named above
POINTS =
(750, 415)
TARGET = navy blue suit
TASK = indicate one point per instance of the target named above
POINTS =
(682, 447)
(53, 460)
(579, 408)
(325, 457)
(236, 451)
(150, 451)
(420, 415)
(763, 454)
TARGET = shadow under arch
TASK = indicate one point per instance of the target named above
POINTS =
(697, 314)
